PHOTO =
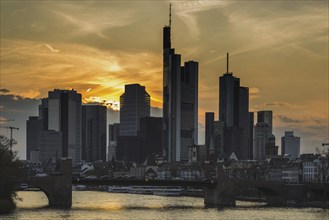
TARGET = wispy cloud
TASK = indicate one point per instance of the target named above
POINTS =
(51, 48)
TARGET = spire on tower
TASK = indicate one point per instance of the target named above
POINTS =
(227, 55)
(170, 14)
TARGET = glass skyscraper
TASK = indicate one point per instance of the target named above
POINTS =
(180, 102)
(134, 104)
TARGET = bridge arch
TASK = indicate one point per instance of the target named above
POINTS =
(57, 186)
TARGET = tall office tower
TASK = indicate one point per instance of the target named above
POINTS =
(177, 80)
(233, 112)
(209, 129)
(64, 114)
(114, 132)
(134, 104)
(218, 140)
(290, 145)
(244, 122)
(189, 107)
(265, 116)
(151, 136)
(261, 139)
(50, 143)
(33, 129)
(93, 132)
(251, 135)
(43, 113)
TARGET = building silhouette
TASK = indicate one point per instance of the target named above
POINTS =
(151, 136)
(290, 145)
(60, 125)
(264, 140)
(134, 104)
(234, 113)
(33, 129)
(209, 129)
(64, 114)
(93, 132)
(180, 101)
(114, 133)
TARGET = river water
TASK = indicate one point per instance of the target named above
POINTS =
(104, 205)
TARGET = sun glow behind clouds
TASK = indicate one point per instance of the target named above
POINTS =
(114, 105)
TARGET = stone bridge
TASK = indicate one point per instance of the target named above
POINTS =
(57, 186)
(223, 192)
(226, 190)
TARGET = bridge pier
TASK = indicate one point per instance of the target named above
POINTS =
(57, 186)
(222, 194)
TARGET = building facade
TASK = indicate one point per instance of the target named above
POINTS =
(64, 114)
(234, 113)
(94, 132)
(290, 145)
(180, 112)
(134, 104)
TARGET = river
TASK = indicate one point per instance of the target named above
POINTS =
(104, 205)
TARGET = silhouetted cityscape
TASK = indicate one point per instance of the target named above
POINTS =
(71, 142)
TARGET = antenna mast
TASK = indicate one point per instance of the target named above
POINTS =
(227, 55)
(170, 14)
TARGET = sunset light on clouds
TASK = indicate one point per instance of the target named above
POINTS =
(279, 49)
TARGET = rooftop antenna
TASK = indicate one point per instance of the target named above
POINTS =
(227, 55)
(170, 14)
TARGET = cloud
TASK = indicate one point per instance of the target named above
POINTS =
(4, 91)
(286, 119)
(51, 48)
(275, 104)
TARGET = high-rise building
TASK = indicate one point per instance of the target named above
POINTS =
(93, 132)
(178, 133)
(209, 129)
(189, 107)
(290, 145)
(261, 140)
(234, 113)
(134, 104)
(218, 140)
(265, 116)
(33, 129)
(50, 143)
(251, 135)
(114, 133)
(264, 141)
(244, 122)
(64, 114)
(151, 136)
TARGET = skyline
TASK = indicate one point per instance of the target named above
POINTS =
(100, 53)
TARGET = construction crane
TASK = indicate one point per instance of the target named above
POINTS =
(11, 128)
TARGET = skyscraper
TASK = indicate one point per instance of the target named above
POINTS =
(134, 104)
(114, 133)
(33, 129)
(290, 145)
(266, 116)
(93, 132)
(264, 141)
(234, 113)
(189, 107)
(180, 112)
(64, 114)
(151, 136)
(209, 129)
(261, 140)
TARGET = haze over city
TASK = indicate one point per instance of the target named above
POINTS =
(279, 49)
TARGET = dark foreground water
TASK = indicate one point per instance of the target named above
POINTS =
(104, 205)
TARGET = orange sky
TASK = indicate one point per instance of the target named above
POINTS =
(279, 49)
